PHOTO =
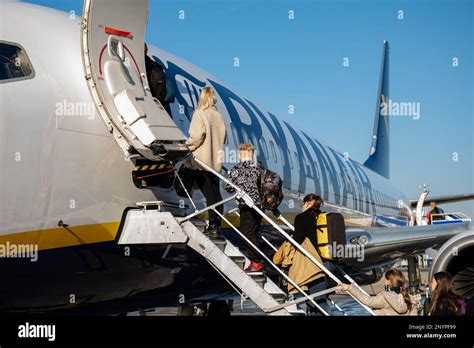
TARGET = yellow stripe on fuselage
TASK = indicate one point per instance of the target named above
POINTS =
(61, 237)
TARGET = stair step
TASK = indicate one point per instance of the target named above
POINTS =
(220, 243)
(259, 278)
(200, 224)
(281, 298)
(239, 260)
(139, 226)
(294, 310)
(230, 261)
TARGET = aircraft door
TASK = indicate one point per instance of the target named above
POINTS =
(113, 34)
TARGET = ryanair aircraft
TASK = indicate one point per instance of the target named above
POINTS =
(83, 140)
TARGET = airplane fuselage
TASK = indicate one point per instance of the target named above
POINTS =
(61, 164)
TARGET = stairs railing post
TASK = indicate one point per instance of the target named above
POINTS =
(271, 263)
(242, 195)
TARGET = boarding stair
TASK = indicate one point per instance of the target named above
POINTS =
(148, 223)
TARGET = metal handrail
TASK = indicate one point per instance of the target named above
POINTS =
(299, 300)
(197, 212)
(243, 196)
(352, 281)
(213, 207)
(461, 216)
(275, 249)
(271, 263)
(186, 190)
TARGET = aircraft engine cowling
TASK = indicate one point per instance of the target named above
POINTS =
(456, 256)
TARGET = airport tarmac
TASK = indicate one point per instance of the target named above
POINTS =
(345, 302)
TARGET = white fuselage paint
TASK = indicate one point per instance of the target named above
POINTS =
(68, 167)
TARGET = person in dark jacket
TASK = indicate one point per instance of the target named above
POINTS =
(157, 81)
(247, 176)
(434, 213)
(444, 300)
(305, 222)
(305, 227)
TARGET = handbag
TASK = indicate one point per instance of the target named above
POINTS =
(187, 177)
(190, 163)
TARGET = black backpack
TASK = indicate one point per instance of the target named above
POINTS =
(271, 189)
(156, 79)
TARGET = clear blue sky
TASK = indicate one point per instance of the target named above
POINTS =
(299, 62)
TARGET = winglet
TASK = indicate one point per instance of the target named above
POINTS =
(379, 154)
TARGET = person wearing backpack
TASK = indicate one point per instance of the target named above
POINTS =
(247, 176)
(157, 81)
(305, 229)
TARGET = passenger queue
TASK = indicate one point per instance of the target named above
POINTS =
(206, 142)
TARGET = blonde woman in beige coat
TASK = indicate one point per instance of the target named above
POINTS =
(206, 141)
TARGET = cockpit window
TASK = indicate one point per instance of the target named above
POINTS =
(14, 63)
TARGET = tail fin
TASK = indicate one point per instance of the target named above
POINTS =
(379, 156)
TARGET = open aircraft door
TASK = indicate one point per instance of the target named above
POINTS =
(112, 41)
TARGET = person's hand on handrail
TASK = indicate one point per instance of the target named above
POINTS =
(344, 287)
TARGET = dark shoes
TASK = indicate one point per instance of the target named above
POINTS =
(213, 232)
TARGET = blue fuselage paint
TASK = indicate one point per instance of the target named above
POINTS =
(305, 163)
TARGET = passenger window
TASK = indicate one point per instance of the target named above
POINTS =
(272, 149)
(14, 63)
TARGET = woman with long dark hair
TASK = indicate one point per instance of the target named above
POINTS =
(444, 300)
